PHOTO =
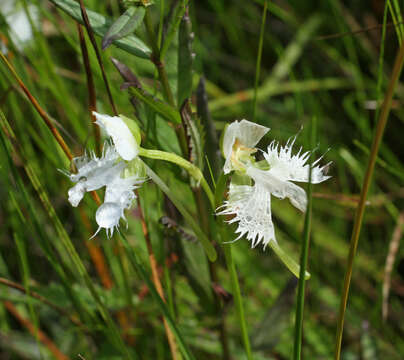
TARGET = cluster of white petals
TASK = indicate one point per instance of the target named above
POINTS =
(108, 171)
(251, 204)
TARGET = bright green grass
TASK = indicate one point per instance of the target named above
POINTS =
(301, 75)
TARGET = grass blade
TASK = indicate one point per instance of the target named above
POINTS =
(297, 348)
(381, 124)
(137, 265)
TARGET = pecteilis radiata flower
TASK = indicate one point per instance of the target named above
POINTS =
(113, 170)
(254, 182)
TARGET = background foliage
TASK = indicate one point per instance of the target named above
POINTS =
(330, 59)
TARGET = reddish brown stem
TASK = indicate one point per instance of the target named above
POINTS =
(97, 53)
(42, 337)
(92, 106)
(42, 299)
(156, 281)
(39, 109)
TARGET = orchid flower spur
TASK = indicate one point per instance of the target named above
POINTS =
(112, 170)
(253, 183)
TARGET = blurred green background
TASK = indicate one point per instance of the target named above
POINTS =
(331, 60)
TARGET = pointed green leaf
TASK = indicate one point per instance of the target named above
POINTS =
(207, 245)
(195, 134)
(166, 111)
(185, 60)
(101, 24)
(124, 25)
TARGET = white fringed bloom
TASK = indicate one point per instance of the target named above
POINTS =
(251, 204)
(109, 170)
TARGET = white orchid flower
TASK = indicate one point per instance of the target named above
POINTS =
(110, 170)
(251, 204)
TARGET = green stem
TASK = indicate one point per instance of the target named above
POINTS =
(297, 348)
(231, 268)
(156, 59)
(381, 124)
(193, 170)
(287, 260)
(259, 55)
(138, 266)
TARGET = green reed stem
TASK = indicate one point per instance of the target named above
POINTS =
(259, 55)
(193, 170)
(231, 268)
(381, 124)
(138, 266)
(156, 59)
(297, 348)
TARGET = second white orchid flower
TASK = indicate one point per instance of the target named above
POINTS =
(250, 204)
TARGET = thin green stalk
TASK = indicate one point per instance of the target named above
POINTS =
(194, 171)
(381, 124)
(138, 266)
(156, 59)
(231, 268)
(297, 348)
(180, 11)
(259, 55)
(208, 247)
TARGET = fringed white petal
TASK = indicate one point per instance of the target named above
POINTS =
(248, 134)
(293, 167)
(279, 188)
(251, 207)
(93, 173)
(121, 135)
(107, 217)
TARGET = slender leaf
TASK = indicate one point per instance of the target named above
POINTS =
(126, 24)
(101, 24)
(185, 60)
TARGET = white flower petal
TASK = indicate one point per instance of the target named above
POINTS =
(121, 191)
(122, 137)
(251, 206)
(107, 217)
(93, 173)
(294, 167)
(279, 188)
(76, 193)
(247, 133)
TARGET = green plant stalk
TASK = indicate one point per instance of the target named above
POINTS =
(137, 265)
(297, 348)
(231, 268)
(208, 247)
(156, 59)
(170, 35)
(194, 171)
(259, 55)
(287, 260)
(381, 124)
